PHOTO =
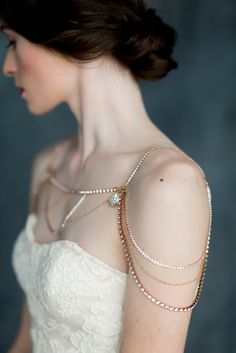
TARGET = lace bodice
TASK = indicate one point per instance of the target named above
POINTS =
(75, 300)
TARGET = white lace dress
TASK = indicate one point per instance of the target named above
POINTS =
(75, 299)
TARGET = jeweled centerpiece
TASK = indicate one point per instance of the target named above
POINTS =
(114, 199)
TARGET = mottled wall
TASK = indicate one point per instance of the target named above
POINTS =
(196, 107)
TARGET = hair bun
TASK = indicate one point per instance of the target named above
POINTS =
(150, 17)
(149, 46)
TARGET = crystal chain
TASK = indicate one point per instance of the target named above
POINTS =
(156, 148)
(196, 278)
(63, 188)
(137, 280)
(72, 211)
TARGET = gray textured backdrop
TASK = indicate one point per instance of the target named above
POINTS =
(196, 107)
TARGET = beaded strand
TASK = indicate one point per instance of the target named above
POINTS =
(134, 273)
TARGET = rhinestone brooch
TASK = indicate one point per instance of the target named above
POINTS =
(114, 199)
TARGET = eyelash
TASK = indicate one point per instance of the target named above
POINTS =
(11, 42)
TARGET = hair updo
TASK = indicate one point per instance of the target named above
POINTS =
(87, 29)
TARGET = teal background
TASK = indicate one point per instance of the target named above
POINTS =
(195, 106)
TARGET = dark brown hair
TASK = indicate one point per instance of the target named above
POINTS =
(87, 29)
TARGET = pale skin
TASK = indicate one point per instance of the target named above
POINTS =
(167, 202)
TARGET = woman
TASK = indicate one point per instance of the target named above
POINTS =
(113, 254)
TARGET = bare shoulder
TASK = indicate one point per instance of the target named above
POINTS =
(46, 153)
(171, 204)
(43, 158)
(169, 172)
(175, 178)
(173, 163)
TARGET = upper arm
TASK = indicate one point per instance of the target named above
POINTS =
(169, 218)
(23, 341)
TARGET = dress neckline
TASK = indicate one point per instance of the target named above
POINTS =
(29, 230)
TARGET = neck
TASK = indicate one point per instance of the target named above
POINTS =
(110, 112)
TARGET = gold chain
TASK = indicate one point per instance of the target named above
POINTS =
(71, 219)
(134, 274)
(75, 218)
(46, 213)
(158, 279)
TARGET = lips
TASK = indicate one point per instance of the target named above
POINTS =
(21, 90)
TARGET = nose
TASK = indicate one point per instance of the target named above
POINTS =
(9, 66)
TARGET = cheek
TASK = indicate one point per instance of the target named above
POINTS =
(29, 64)
(47, 79)
(41, 69)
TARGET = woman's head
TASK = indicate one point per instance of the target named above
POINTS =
(85, 30)
(45, 79)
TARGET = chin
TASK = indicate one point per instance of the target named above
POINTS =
(40, 110)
